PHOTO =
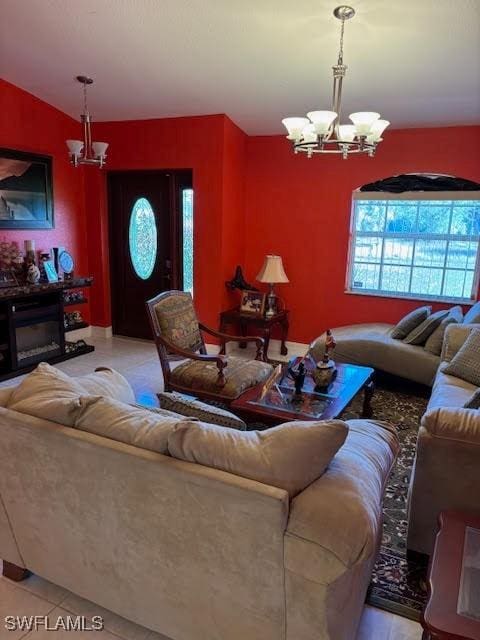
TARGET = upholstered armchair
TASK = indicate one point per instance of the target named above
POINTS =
(176, 330)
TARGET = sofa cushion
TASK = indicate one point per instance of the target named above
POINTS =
(466, 362)
(240, 374)
(474, 401)
(125, 423)
(47, 393)
(453, 424)
(435, 341)
(51, 394)
(107, 382)
(420, 334)
(5, 393)
(455, 336)
(409, 322)
(449, 391)
(473, 314)
(191, 407)
(289, 456)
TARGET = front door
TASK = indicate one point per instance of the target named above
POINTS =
(145, 243)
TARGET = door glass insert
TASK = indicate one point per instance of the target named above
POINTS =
(187, 213)
(142, 238)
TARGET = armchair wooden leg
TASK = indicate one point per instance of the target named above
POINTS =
(14, 572)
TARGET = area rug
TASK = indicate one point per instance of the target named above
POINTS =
(397, 586)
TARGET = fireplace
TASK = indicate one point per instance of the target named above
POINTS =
(37, 330)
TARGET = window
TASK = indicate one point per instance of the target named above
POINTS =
(142, 238)
(415, 245)
(187, 216)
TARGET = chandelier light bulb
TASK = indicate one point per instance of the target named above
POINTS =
(363, 120)
(347, 132)
(295, 126)
(75, 147)
(322, 120)
(376, 130)
(99, 149)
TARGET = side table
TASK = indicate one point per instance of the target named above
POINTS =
(453, 571)
(263, 326)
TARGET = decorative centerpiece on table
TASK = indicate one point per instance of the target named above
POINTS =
(325, 370)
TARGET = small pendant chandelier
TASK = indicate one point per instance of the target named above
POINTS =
(321, 131)
(85, 151)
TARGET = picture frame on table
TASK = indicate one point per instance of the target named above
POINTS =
(50, 271)
(26, 191)
(253, 302)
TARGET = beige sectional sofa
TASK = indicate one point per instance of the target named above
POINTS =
(446, 472)
(188, 550)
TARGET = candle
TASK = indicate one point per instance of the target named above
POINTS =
(29, 245)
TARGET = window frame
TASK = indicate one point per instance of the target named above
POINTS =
(415, 196)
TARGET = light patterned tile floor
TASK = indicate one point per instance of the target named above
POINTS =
(138, 362)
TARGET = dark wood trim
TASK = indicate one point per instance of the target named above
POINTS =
(14, 572)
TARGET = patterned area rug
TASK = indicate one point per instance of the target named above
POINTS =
(397, 586)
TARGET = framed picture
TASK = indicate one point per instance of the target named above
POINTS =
(252, 302)
(26, 197)
(50, 271)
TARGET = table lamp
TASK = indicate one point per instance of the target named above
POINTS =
(272, 272)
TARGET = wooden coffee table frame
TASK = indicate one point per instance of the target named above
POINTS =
(362, 381)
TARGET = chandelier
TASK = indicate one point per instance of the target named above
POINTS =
(321, 131)
(85, 151)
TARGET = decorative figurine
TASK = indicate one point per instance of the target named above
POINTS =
(298, 378)
(33, 274)
(325, 370)
(239, 282)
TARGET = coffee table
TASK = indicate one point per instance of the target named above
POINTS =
(278, 404)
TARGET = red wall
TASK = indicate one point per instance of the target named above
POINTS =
(197, 143)
(28, 124)
(300, 209)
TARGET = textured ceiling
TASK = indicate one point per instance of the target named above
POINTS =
(415, 61)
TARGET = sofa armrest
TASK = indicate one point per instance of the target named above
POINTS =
(462, 425)
(332, 536)
(455, 336)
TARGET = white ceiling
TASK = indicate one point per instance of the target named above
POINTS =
(415, 61)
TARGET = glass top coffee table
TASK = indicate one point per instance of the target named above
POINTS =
(279, 403)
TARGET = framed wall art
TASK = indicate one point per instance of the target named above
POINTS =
(26, 193)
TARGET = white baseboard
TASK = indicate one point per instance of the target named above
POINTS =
(101, 332)
(294, 349)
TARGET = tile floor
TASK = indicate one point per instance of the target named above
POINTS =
(138, 362)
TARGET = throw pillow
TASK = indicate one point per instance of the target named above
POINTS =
(473, 315)
(107, 382)
(409, 322)
(5, 393)
(290, 456)
(474, 401)
(420, 334)
(435, 341)
(196, 409)
(47, 393)
(118, 421)
(466, 363)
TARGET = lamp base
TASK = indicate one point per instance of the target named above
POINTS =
(272, 306)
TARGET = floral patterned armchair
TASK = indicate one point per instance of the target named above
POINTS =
(176, 330)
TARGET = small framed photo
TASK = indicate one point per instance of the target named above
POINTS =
(50, 271)
(253, 302)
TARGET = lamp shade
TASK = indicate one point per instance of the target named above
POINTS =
(272, 270)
